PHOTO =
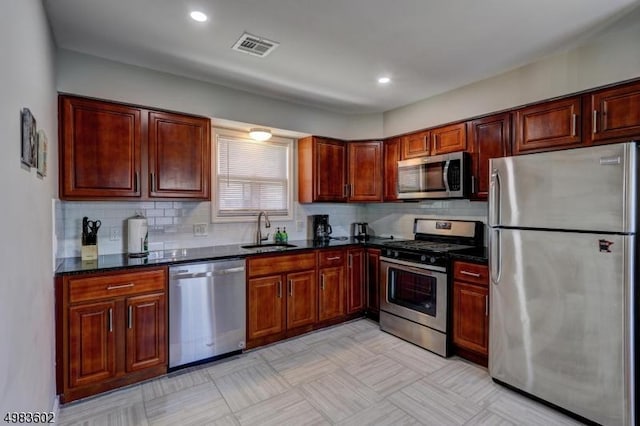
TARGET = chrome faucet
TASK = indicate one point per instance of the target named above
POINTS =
(267, 224)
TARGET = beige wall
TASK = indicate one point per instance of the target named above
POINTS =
(27, 79)
(608, 57)
(101, 78)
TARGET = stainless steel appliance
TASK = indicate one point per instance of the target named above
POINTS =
(207, 314)
(321, 228)
(438, 176)
(414, 285)
(562, 261)
(360, 231)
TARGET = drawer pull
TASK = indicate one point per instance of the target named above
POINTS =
(115, 287)
(471, 274)
(333, 258)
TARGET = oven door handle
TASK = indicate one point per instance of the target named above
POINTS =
(409, 266)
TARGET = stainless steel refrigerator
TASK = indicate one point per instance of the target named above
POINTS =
(562, 263)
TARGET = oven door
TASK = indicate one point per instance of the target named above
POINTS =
(415, 292)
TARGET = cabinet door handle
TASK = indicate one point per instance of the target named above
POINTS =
(574, 119)
(473, 184)
(130, 317)
(279, 289)
(322, 282)
(135, 181)
(344, 190)
(333, 258)
(290, 288)
(110, 319)
(115, 287)
(486, 306)
(471, 274)
(595, 121)
(153, 182)
(350, 260)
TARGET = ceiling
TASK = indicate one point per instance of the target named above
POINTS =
(332, 51)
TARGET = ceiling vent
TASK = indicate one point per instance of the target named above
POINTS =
(254, 45)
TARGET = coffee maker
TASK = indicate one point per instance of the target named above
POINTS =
(321, 229)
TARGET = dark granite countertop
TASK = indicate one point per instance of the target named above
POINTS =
(476, 254)
(108, 262)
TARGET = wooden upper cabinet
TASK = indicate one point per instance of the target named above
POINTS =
(613, 115)
(179, 156)
(100, 149)
(446, 139)
(415, 144)
(489, 137)
(390, 160)
(548, 126)
(321, 170)
(115, 151)
(365, 171)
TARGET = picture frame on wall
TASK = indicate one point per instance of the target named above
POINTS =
(29, 151)
(42, 153)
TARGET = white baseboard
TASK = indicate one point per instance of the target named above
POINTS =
(55, 408)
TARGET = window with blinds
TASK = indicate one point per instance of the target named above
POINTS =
(252, 176)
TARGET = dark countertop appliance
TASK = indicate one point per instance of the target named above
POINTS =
(361, 231)
(414, 284)
(320, 227)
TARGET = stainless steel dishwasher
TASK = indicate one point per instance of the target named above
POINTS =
(207, 310)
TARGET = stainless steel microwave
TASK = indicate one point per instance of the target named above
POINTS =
(439, 176)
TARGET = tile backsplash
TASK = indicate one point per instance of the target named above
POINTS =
(171, 223)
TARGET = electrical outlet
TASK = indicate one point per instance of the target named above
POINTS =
(115, 233)
(200, 230)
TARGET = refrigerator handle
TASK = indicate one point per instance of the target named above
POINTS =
(494, 256)
(494, 198)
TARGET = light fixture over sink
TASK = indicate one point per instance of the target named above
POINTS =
(260, 134)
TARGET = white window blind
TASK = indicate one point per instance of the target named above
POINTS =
(252, 176)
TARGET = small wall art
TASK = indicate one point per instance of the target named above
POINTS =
(29, 151)
(42, 153)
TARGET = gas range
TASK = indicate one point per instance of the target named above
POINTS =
(434, 239)
(414, 284)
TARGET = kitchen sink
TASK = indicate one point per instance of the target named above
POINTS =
(271, 245)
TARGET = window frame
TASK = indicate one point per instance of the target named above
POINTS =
(238, 135)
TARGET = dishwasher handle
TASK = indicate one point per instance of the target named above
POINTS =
(219, 272)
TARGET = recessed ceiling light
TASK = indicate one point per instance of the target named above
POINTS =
(198, 16)
(384, 80)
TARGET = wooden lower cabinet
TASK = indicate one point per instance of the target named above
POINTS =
(372, 283)
(331, 294)
(92, 349)
(471, 311)
(301, 299)
(281, 296)
(111, 330)
(355, 280)
(266, 307)
(146, 331)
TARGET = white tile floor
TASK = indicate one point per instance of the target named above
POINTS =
(351, 374)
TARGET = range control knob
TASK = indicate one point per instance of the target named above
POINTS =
(396, 254)
(432, 259)
(423, 258)
(389, 253)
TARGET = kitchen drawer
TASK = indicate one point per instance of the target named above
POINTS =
(471, 272)
(83, 288)
(328, 258)
(266, 265)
